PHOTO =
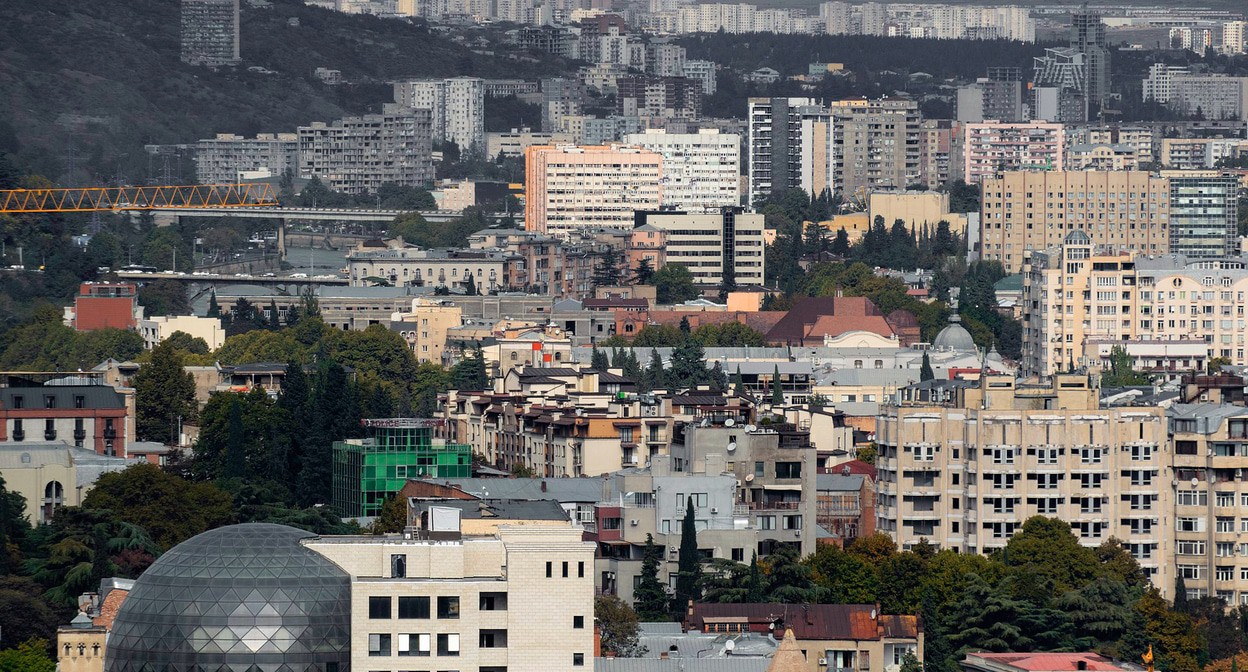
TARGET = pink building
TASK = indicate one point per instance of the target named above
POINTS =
(993, 147)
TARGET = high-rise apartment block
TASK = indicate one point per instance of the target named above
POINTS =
(210, 30)
(701, 171)
(1087, 35)
(456, 107)
(992, 148)
(1203, 214)
(1211, 96)
(1025, 210)
(560, 98)
(570, 187)
(702, 72)
(775, 138)
(1159, 85)
(997, 97)
(876, 144)
(1234, 34)
(963, 470)
(229, 158)
(721, 249)
(662, 97)
(357, 155)
(1060, 86)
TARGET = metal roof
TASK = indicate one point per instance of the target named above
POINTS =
(557, 489)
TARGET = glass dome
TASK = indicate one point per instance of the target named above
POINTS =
(244, 598)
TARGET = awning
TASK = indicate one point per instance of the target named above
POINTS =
(773, 486)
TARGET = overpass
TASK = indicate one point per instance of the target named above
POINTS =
(309, 214)
(200, 277)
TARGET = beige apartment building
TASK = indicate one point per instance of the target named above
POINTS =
(964, 465)
(425, 327)
(1079, 294)
(570, 187)
(877, 144)
(437, 598)
(1210, 531)
(717, 248)
(1022, 211)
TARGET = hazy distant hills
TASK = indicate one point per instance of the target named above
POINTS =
(98, 79)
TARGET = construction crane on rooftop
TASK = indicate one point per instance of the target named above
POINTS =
(95, 199)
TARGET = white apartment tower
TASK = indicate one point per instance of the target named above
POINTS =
(701, 171)
(456, 107)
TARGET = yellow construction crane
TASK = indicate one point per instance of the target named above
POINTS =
(90, 199)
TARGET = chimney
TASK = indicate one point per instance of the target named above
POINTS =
(543, 486)
(1082, 665)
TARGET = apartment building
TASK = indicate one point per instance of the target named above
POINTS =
(701, 171)
(658, 97)
(512, 144)
(104, 305)
(357, 155)
(1159, 84)
(560, 97)
(1200, 153)
(721, 249)
(210, 31)
(775, 145)
(702, 72)
(1023, 210)
(456, 107)
(479, 602)
(346, 308)
(965, 470)
(99, 418)
(876, 144)
(403, 266)
(1088, 37)
(992, 148)
(940, 152)
(1101, 157)
(425, 327)
(1211, 96)
(1139, 137)
(1137, 300)
(228, 158)
(1210, 542)
(998, 98)
(569, 188)
(159, 327)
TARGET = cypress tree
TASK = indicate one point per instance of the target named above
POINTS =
(689, 569)
(925, 372)
(777, 395)
(650, 597)
(598, 360)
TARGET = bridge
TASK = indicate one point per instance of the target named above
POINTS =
(200, 277)
(309, 214)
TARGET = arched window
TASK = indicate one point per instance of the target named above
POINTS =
(53, 498)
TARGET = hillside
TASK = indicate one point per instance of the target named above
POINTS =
(104, 77)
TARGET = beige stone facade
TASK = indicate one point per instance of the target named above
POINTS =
(425, 327)
(1024, 211)
(519, 600)
(966, 469)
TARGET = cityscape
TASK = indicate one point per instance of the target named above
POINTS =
(695, 336)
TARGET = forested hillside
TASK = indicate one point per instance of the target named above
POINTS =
(103, 77)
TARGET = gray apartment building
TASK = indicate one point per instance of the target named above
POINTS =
(210, 32)
(356, 155)
(220, 160)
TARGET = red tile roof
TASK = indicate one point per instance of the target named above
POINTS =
(108, 610)
(1052, 662)
(808, 621)
(813, 318)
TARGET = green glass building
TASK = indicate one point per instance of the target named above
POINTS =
(368, 471)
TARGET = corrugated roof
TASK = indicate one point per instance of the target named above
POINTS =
(94, 396)
(838, 482)
(557, 489)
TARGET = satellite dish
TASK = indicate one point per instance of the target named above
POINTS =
(729, 422)
(873, 614)
(749, 478)
(730, 645)
(732, 446)
(750, 428)
(1195, 481)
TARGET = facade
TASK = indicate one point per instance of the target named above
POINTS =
(1080, 296)
(1204, 214)
(702, 72)
(222, 159)
(1159, 84)
(105, 305)
(156, 329)
(560, 97)
(1022, 211)
(989, 99)
(210, 30)
(846, 505)
(404, 266)
(456, 107)
(1200, 153)
(965, 473)
(701, 171)
(513, 143)
(425, 327)
(991, 148)
(1116, 158)
(724, 249)
(49, 475)
(1211, 96)
(1087, 35)
(369, 471)
(774, 137)
(658, 97)
(454, 600)
(568, 188)
(98, 418)
(876, 144)
(357, 155)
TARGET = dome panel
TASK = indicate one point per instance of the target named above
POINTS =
(236, 598)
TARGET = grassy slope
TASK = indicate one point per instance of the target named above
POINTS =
(117, 61)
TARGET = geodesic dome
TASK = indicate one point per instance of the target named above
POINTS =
(243, 598)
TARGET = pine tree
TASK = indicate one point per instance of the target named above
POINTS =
(643, 272)
(684, 326)
(718, 379)
(275, 320)
(777, 394)
(470, 373)
(689, 568)
(925, 372)
(214, 308)
(631, 367)
(653, 377)
(598, 360)
(840, 244)
(650, 598)
(163, 394)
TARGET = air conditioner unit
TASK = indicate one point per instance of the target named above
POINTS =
(633, 522)
(823, 662)
(797, 533)
(714, 510)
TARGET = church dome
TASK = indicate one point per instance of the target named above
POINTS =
(954, 337)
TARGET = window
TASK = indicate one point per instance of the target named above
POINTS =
(493, 602)
(788, 470)
(580, 570)
(448, 645)
(80, 401)
(766, 522)
(578, 659)
(379, 645)
(448, 607)
(738, 554)
(49, 401)
(414, 645)
(578, 622)
(398, 566)
(413, 607)
(759, 468)
(1192, 497)
(550, 569)
(565, 575)
(379, 607)
(1190, 547)
(1189, 524)
(492, 639)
